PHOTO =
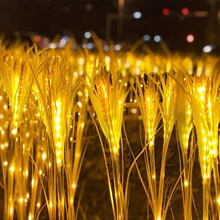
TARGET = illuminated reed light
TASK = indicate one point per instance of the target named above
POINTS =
(40, 172)
(38, 205)
(158, 218)
(32, 182)
(5, 163)
(1, 116)
(71, 139)
(1, 98)
(153, 176)
(49, 164)
(30, 217)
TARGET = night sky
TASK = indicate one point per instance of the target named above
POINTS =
(21, 17)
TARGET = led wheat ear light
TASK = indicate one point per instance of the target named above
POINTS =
(108, 97)
(148, 101)
(184, 127)
(205, 108)
(44, 104)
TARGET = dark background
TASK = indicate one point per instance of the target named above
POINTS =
(74, 17)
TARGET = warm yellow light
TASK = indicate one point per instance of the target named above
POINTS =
(186, 183)
(218, 200)
(21, 200)
(73, 185)
(5, 163)
(14, 131)
(44, 156)
(12, 168)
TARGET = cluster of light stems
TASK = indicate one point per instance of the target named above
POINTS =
(43, 111)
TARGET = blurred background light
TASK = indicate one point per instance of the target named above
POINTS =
(185, 11)
(190, 38)
(137, 15)
(208, 48)
(146, 37)
(87, 34)
(117, 47)
(165, 11)
(157, 38)
(90, 46)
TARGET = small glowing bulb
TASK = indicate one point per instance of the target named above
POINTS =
(44, 156)
(50, 204)
(11, 210)
(134, 110)
(79, 104)
(5, 163)
(186, 183)
(14, 131)
(12, 168)
(73, 185)
(27, 134)
(21, 200)
(218, 200)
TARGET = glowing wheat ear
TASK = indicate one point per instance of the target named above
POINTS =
(17, 81)
(205, 107)
(108, 96)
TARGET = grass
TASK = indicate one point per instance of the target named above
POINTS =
(49, 99)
